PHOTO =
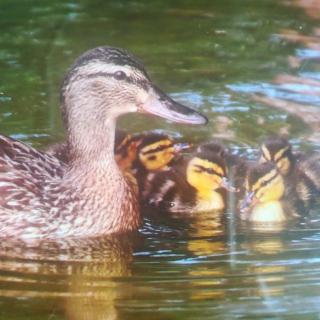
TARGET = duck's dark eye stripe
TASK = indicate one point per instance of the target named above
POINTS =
(208, 170)
(138, 82)
(157, 149)
(265, 182)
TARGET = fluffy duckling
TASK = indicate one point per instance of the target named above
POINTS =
(267, 198)
(155, 151)
(147, 152)
(302, 171)
(237, 165)
(197, 184)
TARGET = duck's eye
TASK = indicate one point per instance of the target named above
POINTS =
(210, 171)
(120, 75)
(171, 204)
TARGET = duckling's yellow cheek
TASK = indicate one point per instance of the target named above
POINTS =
(168, 155)
(150, 162)
(274, 192)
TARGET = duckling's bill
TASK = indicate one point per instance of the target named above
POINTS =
(248, 202)
(160, 104)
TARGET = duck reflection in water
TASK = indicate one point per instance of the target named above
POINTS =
(82, 275)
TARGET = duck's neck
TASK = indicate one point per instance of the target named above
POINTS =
(92, 146)
(110, 204)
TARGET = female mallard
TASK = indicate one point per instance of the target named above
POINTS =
(43, 198)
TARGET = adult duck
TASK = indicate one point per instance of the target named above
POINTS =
(40, 197)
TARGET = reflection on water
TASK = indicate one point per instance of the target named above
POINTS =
(80, 273)
(253, 69)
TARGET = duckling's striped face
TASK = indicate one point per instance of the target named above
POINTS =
(206, 175)
(278, 153)
(263, 184)
(157, 155)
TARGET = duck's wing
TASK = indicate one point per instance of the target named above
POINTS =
(16, 156)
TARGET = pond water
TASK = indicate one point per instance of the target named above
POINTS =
(253, 67)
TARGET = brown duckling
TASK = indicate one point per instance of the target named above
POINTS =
(198, 184)
(268, 199)
(89, 196)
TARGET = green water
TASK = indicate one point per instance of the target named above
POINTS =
(212, 55)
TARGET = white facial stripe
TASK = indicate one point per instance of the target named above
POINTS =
(280, 153)
(265, 152)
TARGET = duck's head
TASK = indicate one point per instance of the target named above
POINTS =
(263, 184)
(206, 172)
(157, 150)
(212, 146)
(277, 150)
(105, 83)
(118, 84)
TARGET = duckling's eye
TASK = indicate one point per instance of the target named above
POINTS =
(210, 171)
(120, 75)
(152, 158)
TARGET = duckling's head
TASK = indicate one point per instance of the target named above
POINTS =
(206, 172)
(157, 150)
(212, 146)
(107, 82)
(264, 184)
(277, 150)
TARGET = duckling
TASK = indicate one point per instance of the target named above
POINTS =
(90, 196)
(156, 152)
(267, 198)
(302, 171)
(198, 184)
(148, 151)
(237, 166)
